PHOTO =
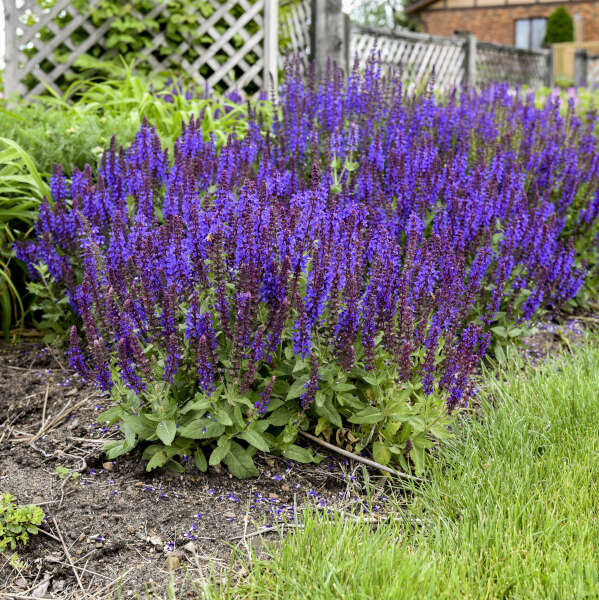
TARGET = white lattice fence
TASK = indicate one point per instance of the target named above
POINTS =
(296, 20)
(220, 51)
(420, 58)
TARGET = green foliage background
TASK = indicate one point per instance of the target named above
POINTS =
(136, 26)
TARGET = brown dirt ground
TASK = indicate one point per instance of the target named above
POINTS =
(123, 527)
(120, 524)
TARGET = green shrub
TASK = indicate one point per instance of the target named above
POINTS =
(21, 190)
(560, 27)
(17, 522)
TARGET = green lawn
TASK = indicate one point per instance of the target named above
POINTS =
(511, 510)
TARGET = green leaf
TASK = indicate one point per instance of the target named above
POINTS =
(281, 416)
(158, 460)
(329, 412)
(140, 425)
(202, 429)
(298, 387)
(255, 439)
(223, 417)
(500, 354)
(417, 455)
(202, 404)
(111, 415)
(295, 452)
(166, 431)
(343, 387)
(200, 460)
(240, 463)
(381, 453)
(219, 453)
(173, 465)
(115, 449)
(299, 366)
(368, 416)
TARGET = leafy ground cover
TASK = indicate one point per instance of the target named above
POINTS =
(509, 510)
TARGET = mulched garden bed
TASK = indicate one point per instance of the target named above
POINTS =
(119, 527)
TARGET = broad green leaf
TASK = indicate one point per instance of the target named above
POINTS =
(368, 416)
(343, 387)
(141, 425)
(223, 417)
(219, 452)
(202, 429)
(173, 465)
(202, 404)
(417, 455)
(500, 331)
(381, 453)
(255, 439)
(158, 460)
(329, 412)
(200, 460)
(281, 416)
(115, 449)
(295, 452)
(298, 387)
(166, 431)
(111, 415)
(240, 463)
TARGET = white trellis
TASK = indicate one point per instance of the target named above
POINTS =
(296, 25)
(449, 62)
(418, 57)
(33, 62)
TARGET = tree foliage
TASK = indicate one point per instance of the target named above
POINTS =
(560, 27)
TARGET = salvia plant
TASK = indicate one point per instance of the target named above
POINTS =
(344, 269)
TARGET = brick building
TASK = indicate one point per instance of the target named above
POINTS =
(518, 23)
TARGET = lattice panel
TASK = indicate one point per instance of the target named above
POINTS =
(496, 63)
(296, 20)
(222, 50)
(593, 70)
(421, 59)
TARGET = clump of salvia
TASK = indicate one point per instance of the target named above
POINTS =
(348, 266)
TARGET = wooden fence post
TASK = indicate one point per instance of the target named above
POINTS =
(469, 58)
(550, 66)
(10, 48)
(327, 35)
(271, 46)
(581, 62)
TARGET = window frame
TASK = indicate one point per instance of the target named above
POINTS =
(529, 20)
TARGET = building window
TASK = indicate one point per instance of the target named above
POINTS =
(530, 33)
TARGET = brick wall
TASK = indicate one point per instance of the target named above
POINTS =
(496, 23)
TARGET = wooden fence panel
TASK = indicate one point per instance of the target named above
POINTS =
(419, 58)
(224, 52)
(497, 63)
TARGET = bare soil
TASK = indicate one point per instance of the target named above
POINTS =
(122, 527)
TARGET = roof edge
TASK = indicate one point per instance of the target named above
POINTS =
(418, 6)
